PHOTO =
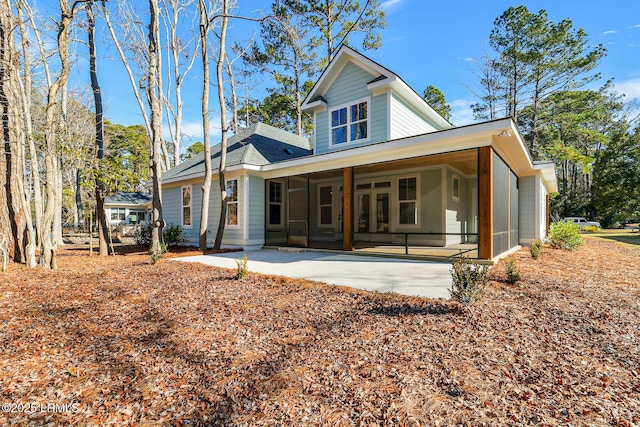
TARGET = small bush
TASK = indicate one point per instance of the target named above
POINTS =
(173, 235)
(142, 235)
(469, 281)
(243, 270)
(513, 272)
(536, 248)
(565, 235)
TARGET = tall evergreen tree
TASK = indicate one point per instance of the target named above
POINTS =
(532, 59)
(334, 22)
(616, 185)
(436, 100)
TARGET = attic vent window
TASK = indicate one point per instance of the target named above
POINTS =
(289, 151)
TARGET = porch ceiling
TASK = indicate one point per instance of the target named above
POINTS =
(464, 161)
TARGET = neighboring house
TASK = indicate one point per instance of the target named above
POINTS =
(383, 170)
(128, 208)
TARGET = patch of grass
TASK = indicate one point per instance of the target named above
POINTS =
(628, 238)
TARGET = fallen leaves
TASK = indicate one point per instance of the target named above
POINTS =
(184, 344)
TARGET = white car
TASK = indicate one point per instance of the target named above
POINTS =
(582, 222)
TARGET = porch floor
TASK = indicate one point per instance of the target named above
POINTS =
(451, 251)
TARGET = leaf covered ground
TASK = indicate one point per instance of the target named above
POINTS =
(131, 343)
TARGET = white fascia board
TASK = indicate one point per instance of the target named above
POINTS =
(316, 106)
(381, 86)
(449, 140)
(213, 173)
(548, 172)
(418, 103)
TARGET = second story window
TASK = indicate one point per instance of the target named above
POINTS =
(350, 123)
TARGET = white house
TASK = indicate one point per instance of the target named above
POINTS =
(383, 172)
(128, 208)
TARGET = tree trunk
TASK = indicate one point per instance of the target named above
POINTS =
(206, 185)
(48, 249)
(26, 88)
(223, 127)
(103, 231)
(234, 97)
(12, 214)
(79, 220)
(57, 219)
(153, 94)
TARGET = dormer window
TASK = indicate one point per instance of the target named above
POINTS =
(350, 122)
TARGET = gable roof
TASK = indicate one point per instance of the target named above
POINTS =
(135, 198)
(257, 145)
(384, 79)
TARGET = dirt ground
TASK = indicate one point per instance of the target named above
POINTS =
(121, 341)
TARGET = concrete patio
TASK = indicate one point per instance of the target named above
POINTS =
(429, 279)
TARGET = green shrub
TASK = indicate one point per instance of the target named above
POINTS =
(243, 270)
(469, 281)
(142, 235)
(513, 272)
(173, 235)
(565, 235)
(536, 248)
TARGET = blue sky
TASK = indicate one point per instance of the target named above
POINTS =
(425, 43)
(434, 42)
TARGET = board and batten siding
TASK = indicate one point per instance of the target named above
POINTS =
(405, 121)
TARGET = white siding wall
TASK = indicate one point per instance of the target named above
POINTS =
(405, 121)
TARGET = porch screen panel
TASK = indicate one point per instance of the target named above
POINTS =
(500, 206)
(297, 210)
(514, 229)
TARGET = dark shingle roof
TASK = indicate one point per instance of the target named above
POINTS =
(257, 145)
(129, 198)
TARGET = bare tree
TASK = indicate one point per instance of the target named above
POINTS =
(179, 69)
(131, 39)
(13, 217)
(154, 95)
(224, 127)
(26, 88)
(48, 249)
(103, 230)
(206, 185)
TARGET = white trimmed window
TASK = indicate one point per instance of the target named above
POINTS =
(350, 122)
(325, 196)
(455, 188)
(186, 206)
(275, 203)
(407, 200)
(232, 202)
(118, 214)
